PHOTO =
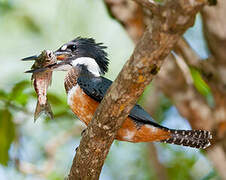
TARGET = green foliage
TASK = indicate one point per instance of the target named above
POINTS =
(163, 106)
(31, 24)
(13, 100)
(201, 86)
(60, 106)
(5, 6)
(199, 83)
(17, 94)
(16, 100)
(145, 94)
(210, 176)
(3, 95)
(55, 176)
(179, 166)
(24, 18)
(7, 135)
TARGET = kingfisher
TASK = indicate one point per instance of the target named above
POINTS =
(86, 62)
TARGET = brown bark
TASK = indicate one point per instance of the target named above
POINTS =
(132, 17)
(193, 106)
(175, 81)
(215, 33)
(147, 58)
(189, 102)
(124, 11)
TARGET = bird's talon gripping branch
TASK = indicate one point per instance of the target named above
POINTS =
(83, 131)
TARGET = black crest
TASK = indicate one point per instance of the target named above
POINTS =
(87, 47)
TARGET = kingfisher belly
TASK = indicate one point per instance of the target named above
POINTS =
(84, 108)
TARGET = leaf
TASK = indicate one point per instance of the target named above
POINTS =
(17, 94)
(5, 7)
(199, 83)
(7, 135)
(31, 24)
(55, 176)
(3, 95)
(65, 114)
(54, 99)
(180, 165)
(19, 87)
(210, 175)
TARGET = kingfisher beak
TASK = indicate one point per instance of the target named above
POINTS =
(30, 58)
(59, 55)
(63, 62)
(62, 55)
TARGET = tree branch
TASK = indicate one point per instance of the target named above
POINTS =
(153, 6)
(206, 67)
(147, 58)
(129, 14)
(189, 102)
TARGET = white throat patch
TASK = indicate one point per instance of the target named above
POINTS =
(70, 95)
(90, 63)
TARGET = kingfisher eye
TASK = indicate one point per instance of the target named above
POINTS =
(73, 47)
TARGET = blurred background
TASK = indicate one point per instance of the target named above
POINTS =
(45, 149)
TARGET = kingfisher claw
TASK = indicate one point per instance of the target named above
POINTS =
(83, 131)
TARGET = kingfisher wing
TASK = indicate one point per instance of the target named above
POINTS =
(96, 88)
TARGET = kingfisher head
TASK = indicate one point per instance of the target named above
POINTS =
(83, 51)
(80, 51)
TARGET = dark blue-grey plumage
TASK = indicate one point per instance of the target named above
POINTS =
(87, 47)
(96, 88)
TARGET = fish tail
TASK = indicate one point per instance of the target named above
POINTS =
(193, 138)
(46, 108)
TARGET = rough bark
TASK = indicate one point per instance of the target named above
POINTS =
(129, 14)
(189, 102)
(146, 60)
(193, 106)
(133, 18)
(175, 81)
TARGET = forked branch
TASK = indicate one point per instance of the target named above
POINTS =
(156, 43)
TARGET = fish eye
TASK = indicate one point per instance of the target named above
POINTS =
(49, 53)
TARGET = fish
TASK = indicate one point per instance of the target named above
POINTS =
(42, 80)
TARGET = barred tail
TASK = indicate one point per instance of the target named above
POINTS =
(192, 138)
